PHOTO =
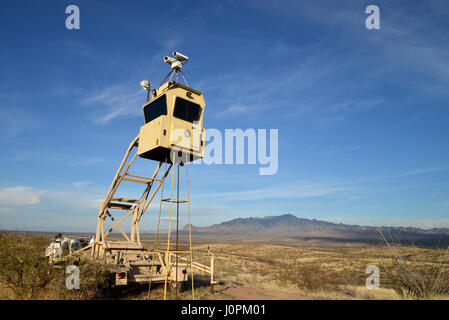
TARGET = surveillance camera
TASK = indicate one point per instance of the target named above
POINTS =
(180, 56)
(145, 84)
(175, 64)
(169, 60)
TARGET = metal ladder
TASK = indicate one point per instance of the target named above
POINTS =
(135, 207)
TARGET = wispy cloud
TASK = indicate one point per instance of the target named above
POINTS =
(116, 101)
(20, 195)
(80, 184)
(304, 190)
(297, 190)
(167, 47)
(84, 161)
(15, 121)
(411, 45)
(352, 107)
(390, 222)
(82, 50)
(316, 86)
(234, 110)
(95, 204)
(47, 156)
(398, 175)
(168, 218)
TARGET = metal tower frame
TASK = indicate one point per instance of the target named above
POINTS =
(168, 259)
(135, 207)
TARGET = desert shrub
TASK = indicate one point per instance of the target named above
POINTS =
(414, 280)
(311, 277)
(24, 269)
(95, 280)
(27, 274)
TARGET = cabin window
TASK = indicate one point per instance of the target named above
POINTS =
(186, 110)
(155, 109)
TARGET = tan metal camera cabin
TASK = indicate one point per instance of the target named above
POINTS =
(173, 124)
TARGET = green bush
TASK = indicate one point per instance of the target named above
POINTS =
(27, 274)
(24, 269)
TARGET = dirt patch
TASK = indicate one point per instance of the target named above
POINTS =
(252, 293)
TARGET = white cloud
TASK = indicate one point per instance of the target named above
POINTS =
(95, 204)
(80, 184)
(84, 161)
(82, 50)
(398, 175)
(408, 38)
(15, 121)
(168, 218)
(330, 120)
(398, 222)
(234, 110)
(352, 107)
(166, 45)
(291, 191)
(303, 190)
(21, 195)
(118, 100)
(72, 160)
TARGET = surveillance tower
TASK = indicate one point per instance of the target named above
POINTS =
(172, 136)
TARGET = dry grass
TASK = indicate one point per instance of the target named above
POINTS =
(26, 273)
(413, 278)
(244, 271)
(323, 273)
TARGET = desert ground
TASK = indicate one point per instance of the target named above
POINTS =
(245, 269)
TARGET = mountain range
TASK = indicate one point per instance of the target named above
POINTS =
(290, 226)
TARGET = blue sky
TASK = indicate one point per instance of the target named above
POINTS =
(363, 115)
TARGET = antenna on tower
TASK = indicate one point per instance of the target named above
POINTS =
(176, 64)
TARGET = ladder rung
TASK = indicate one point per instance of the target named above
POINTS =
(125, 200)
(120, 206)
(175, 200)
(142, 177)
(145, 181)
